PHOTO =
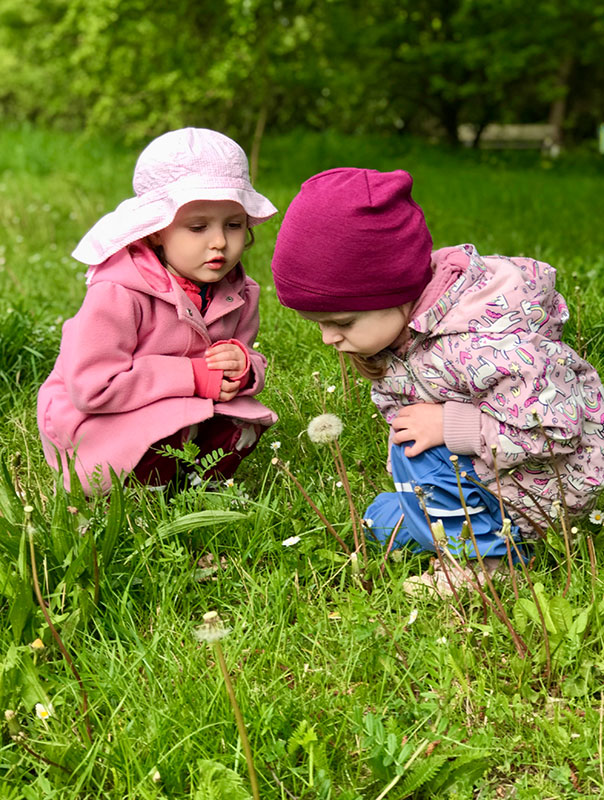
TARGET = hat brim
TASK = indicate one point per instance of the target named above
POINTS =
(138, 217)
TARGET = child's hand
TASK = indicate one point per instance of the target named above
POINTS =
(422, 423)
(228, 390)
(227, 357)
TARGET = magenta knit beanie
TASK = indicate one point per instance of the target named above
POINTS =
(352, 240)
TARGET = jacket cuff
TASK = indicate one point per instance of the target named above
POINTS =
(207, 381)
(462, 428)
(245, 373)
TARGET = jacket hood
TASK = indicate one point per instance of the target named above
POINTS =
(486, 288)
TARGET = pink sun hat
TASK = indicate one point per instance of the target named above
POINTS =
(174, 169)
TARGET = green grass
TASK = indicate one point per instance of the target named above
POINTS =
(339, 691)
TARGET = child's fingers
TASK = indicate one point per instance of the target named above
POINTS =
(228, 390)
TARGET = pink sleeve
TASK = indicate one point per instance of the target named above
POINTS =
(462, 428)
(207, 381)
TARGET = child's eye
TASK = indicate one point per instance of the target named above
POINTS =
(197, 228)
(235, 225)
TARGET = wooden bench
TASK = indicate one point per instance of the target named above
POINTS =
(522, 136)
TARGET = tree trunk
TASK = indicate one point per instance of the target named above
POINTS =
(557, 109)
(257, 140)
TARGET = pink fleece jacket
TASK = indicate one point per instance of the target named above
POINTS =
(489, 348)
(125, 375)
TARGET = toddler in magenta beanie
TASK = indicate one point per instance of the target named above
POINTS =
(465, 357)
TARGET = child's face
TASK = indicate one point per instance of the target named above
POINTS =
(362, 332)
(204, 241)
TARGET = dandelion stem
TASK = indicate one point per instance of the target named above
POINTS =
(357, 528)
(420, 497)
(548, 668)
(536, 527)
(521, 647)
(277, 462)
(245, 743)
(395, 530)
(503, 517)
(593, 567)
(55, 633)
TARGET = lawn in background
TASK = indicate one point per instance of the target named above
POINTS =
(344, 692)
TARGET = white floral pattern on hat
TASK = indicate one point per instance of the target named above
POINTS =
(176, 168)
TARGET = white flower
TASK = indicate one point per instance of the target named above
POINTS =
(597, 517)
(291, 541)
(331, 389)
(275, 445)
(339, 484)
(256, 345)
(212, 630)
(229, 483)
(324, 428)
(43, 712)
(368, 523)
(442, 640)
(412, 617)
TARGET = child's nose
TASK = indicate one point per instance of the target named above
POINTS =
(218, 239)
(330, 335)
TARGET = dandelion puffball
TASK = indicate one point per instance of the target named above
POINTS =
(324, 428)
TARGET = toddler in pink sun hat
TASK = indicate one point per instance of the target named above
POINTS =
(466, 361)
(160, 351)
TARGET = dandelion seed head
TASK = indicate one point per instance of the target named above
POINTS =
(324, 428)
(212, 630)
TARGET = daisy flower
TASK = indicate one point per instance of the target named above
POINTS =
(597, 517)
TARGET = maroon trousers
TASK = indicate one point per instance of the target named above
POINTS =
(213, 434)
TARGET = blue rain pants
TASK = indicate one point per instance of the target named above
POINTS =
(433, 471)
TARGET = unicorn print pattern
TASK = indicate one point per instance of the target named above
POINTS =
(494, 340)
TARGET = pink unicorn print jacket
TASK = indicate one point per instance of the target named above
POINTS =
(489, 348)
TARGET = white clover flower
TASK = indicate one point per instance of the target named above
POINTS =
(412, 617)
(331, 389)
(597, 517)
(291, 541)
(324, 428)
(212, 630)
(275, 445)
(43, 712)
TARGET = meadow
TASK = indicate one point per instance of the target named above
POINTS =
(349, 688)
